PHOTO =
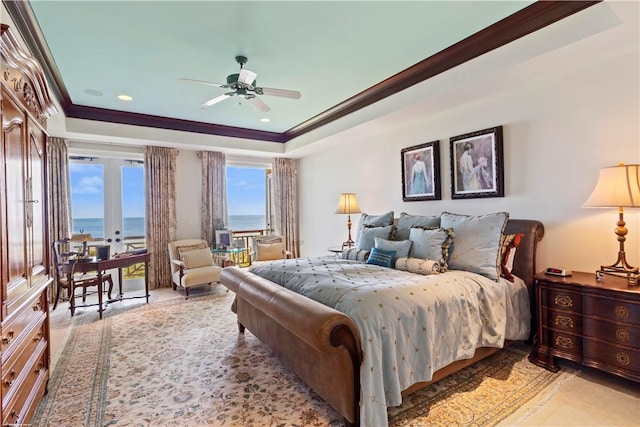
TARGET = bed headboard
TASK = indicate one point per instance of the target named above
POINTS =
(524, 263)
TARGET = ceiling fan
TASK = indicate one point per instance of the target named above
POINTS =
(244, 84)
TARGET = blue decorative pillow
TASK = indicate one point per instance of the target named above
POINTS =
(382, 258)
(431, 243)
(406, 221)
(402, 248)
(367, 237)
(476, 243)
(367, 220)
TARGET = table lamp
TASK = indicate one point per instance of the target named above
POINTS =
(618, 187)
(84, 238)
(347, 204)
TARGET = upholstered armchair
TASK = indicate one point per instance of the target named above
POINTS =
(193, 264)
(267, 248)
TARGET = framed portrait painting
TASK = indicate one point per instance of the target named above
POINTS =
(477, 164)
(421, 172)
(223, 239)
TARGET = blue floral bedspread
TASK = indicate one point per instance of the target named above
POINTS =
(410, 325)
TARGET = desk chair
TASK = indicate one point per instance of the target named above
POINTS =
(74, 281)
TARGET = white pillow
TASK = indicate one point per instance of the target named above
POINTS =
(269, 251)
(197, 258)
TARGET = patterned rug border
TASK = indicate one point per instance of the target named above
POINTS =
(495, 413)
(96, 407)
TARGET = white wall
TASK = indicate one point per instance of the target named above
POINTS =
(569, 106)
(558, 132)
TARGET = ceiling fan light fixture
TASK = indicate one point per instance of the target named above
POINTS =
(245, 85)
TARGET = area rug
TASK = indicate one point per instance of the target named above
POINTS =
(183, 363)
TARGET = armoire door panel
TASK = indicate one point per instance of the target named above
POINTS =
(35, 204)
(13, 137)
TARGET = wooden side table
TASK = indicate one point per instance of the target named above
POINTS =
(595, 323)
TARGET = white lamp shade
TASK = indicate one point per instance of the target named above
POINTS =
(617, 187)
(348, 204)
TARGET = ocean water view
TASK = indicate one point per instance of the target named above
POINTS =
(134, 227)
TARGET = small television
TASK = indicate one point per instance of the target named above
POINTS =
(223, 239)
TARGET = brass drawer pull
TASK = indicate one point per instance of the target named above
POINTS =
(564, 342)
(563, 301)
(8, 338)
(37, 306)
(622, 312)
(623, 358)
(622, 335)
(564, 321)
(12, 376)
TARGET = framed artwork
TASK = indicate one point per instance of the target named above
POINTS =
(421, 172)
(477, 164)
(223, 239)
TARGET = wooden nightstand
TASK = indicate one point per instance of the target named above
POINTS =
(595, 323)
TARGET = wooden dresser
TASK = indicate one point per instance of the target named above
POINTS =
(24, 256)
(595, 323)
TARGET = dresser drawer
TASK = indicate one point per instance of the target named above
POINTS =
(19, 407)
(16, 325)
(14, 369)
(563, 321)
(566, 343)
(615, 357)
(619, 310)
(616, 333)
(562, 300)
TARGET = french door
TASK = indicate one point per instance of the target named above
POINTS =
(107, 201)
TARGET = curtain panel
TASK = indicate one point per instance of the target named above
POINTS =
(160, 211)
(214, 195)
(285, 192)
(58, 198)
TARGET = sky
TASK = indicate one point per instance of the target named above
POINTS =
(246, 189)
(87, 190)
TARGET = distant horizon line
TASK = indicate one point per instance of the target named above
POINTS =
(97, 217)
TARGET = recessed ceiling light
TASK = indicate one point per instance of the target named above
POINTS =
(265, 120)
(93, 92)
(125, 98)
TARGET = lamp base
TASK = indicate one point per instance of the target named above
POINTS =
(348, 244)
(631, 274)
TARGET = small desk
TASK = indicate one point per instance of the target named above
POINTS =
(107, 264)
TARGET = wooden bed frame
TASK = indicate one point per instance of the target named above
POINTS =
(322, 345)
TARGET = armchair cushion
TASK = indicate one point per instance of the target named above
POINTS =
(269, 251)
(197, 258)
(268, 248)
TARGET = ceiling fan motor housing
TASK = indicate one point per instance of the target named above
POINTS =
(232, 81)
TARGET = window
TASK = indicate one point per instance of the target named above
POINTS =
(247, 198)
(107, 200)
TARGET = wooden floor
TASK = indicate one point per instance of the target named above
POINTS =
(591, 398)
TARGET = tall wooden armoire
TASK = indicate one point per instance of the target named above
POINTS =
(24, 255)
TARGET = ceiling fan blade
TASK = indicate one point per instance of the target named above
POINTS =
(293, 94)
(202, 82)
(261, 106)
(217, 99)
(246, 76)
